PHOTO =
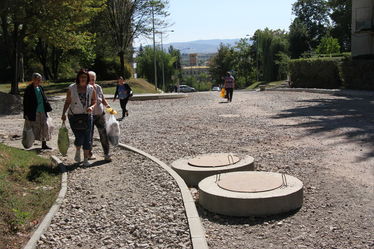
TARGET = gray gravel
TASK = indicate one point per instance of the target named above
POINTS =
(324, 140)
(130, 203)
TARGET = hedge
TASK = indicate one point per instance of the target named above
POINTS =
(315, 73)
(358, 73)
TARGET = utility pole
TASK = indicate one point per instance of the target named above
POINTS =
(162, 65)
(154, 44)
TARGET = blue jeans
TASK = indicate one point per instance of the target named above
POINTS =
(84, 137)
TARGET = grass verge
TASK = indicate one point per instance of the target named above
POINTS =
(109, 87)
(29, 185)
(267, 84)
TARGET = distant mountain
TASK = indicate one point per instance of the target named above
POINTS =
(201, 46)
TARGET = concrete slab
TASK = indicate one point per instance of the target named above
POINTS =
(193, 175)
(232, 203)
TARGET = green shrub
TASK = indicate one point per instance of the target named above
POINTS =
(358, 74)
(315, 73)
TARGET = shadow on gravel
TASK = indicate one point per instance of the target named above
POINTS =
(351, 116)
(75, 166)
(251, 221)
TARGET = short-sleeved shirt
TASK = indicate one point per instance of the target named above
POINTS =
(39, 99)
(122, 92)
(229, 82)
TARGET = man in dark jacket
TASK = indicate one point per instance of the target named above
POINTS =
(35, 108)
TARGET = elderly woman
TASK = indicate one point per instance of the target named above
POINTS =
(81, 101)
(99, 117)
(35, 108)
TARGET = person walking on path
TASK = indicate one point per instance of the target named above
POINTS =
(229, 86)
(35, 108)
(123, 92)
(99, 118)
(81, 101)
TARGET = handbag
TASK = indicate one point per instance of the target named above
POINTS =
(79, 121)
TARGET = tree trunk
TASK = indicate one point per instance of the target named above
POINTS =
(56, 57)
(122, 61)
(14, 88)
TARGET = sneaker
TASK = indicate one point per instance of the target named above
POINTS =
(86, 163)
(46, 147)
(77, 156)
(107, 158)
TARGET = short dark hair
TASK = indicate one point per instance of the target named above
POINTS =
(82, 71)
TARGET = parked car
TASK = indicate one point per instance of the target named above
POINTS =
(216, 88)
(186, 89)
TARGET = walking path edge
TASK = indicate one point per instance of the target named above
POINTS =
(32, 243)
(197, 232)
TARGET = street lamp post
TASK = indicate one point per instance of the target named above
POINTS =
(162, 61)
(154, 44)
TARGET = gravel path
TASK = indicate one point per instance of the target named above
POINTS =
(324, 140)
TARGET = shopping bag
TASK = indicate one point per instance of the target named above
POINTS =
(63, 139)
(50, 125)
(112, 129)
(223, 93)
(28, 137)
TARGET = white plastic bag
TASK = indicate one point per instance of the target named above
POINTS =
(50, 124)
(112, 129)
(28, 137)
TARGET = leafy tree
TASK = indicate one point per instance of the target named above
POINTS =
(328, 45)
(221, 63)
(314, 14)
(53, 23)
(298, 39)
(243, 62)
(129, 19)
(145, 65)
(272, 46)
(341, 16)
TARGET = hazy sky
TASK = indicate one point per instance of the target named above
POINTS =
(222, 19)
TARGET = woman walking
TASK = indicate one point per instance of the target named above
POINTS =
(81, 101)
(35, 108)
(99, 118)
(229, 86)
(123, 92)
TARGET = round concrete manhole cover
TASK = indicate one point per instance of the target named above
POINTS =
(214, 160)
(249, 182)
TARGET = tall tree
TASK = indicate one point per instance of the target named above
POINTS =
(298, 39)
(52, 22)
(314, 14)
(221, 63)
(243, 61)
(341, 16)
(129, 19)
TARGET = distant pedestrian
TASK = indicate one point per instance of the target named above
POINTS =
(99, 118)
(81, 100)
(35, 108)
(229, 86)
(123, 92)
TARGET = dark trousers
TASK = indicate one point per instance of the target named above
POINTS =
(229, 93)
(99, 122)
(123, 105)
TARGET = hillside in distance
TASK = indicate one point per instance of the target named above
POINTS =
(201, 46)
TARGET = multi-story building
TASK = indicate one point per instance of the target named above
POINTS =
(362, 28)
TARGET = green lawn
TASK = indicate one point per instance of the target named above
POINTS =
(109, 87)
(29, 185)
(267, 84)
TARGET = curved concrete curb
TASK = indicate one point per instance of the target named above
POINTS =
(196, 229)
(156, 96)
(337, 92)
(43, 226)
